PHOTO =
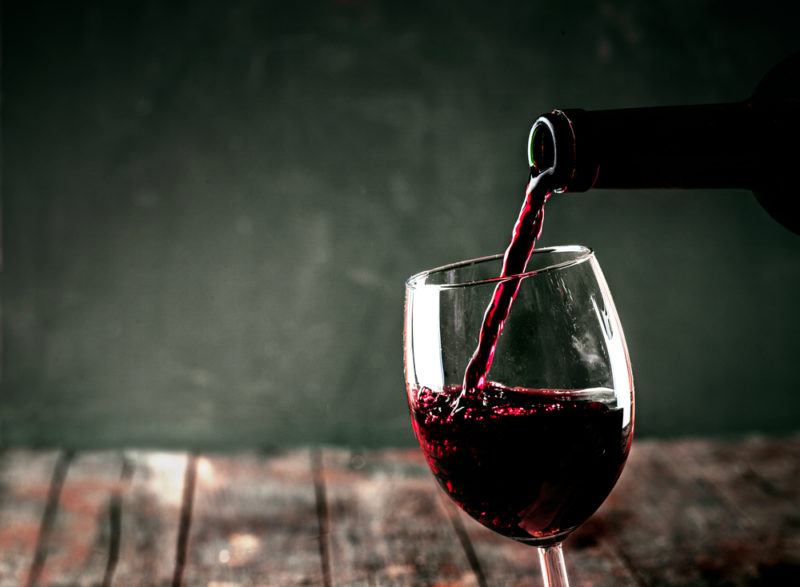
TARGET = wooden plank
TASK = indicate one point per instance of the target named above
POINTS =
(674, 524)
(386, 523)
(645, 521)
(776, 466)
(150, 519)
(759, 479)
(25, 478)
(79, 548)
(688, 512)
(593, 559)
(776, 461)
(255, 521)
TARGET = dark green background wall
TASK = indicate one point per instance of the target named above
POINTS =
(210, 208)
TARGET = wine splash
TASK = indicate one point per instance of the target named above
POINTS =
(523, 240)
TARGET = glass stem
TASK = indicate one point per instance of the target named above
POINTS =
(554, 573)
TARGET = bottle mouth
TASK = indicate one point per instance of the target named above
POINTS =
(551, 148)
(541, 146)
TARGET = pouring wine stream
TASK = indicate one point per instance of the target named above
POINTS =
(527, 230)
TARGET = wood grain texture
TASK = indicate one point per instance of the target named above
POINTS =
(25, 478)
(387, 525)
(685, 512)
(759, 481)
(677, 517)
(255, 521)
(150, 518)
(648, 520)
(80, 542)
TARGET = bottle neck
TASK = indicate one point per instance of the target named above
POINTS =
(707, 146)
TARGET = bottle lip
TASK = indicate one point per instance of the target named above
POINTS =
(542, 129)
(553, 136)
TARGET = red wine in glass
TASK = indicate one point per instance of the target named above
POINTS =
(531, 464)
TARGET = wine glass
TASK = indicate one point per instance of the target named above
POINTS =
(535, 452)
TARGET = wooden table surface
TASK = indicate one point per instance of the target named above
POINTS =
(685, 512)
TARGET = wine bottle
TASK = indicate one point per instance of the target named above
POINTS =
(754, 145)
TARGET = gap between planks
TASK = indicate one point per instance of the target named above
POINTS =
(49, 517)
(323, 516)
(187, 503)
(463, 537)
(115, 521)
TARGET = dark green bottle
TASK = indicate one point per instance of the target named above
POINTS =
(753, 145)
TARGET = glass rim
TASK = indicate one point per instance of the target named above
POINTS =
(417, 280)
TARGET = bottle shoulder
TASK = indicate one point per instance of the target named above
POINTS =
(780, 86)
